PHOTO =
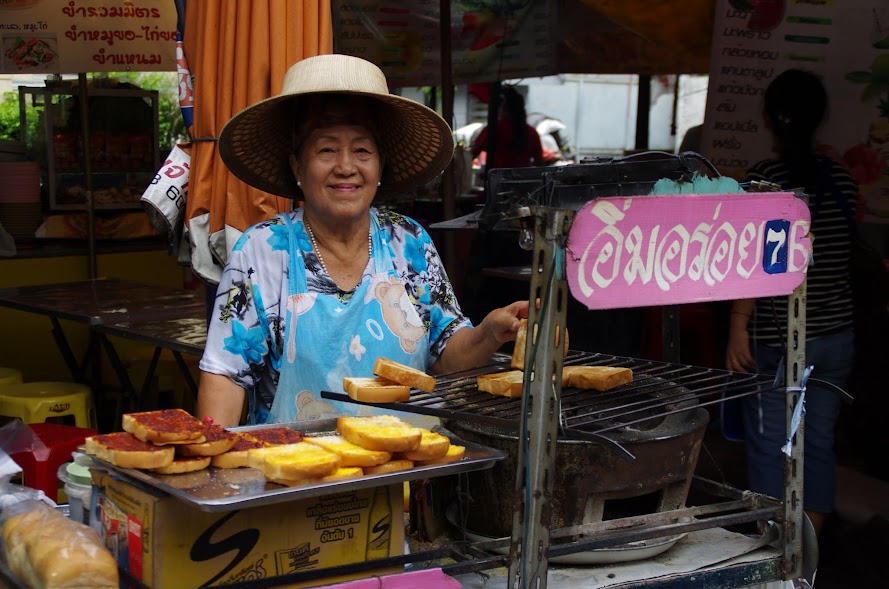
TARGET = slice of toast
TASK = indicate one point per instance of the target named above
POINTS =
(391, 466)
(505, 384)
(600, 378)
(184, 464)
(385, 433)
(236, 457)
(375, 389)
(124, 450)
(455, 453)
(217, 440)
(165, 426)
(432, 445)
(276, 436)
(350, 454)
(521, 341)
(294, 461)
(406, 375)
(349, 472)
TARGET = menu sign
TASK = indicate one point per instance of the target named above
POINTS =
(847, 44)
(668, 250)
(69, 36)
(490, 40)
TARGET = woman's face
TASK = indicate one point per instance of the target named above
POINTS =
(338, 168)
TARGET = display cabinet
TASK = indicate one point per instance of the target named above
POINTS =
(121, 134)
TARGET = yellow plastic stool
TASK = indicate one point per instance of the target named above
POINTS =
(10, 376)
(35, 402)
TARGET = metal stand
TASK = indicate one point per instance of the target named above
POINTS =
(541, 406)
(795, 363)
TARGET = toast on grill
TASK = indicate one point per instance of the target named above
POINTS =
(217, 440)
(505, 384)
(350, 454)
(521, 340)
(124, 450)
(432, 445)
(375, 389)
(385, 433)
(165, 426)
(294, 461)
(600, 378)
(184, 464)
(406, 375)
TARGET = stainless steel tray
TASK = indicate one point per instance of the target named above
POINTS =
(226, 489)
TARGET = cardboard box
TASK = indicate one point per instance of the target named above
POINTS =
(165, 542)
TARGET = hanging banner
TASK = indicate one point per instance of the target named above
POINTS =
(846, 43)
(71, 36)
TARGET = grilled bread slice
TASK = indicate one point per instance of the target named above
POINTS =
(521, 340)
(349, 472)
(165, 426)
(375, 390)
(432, 445)
(236, 457)
(276, 436)
(350, 454)
(124, 450)
(294, 461)
(391, 466)
(455, 453)
(505, 384)
(385, 433)
(184, 464)
(406, 375)
(217, 440)
(600, 378)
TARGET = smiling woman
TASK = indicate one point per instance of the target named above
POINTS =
(320, 293)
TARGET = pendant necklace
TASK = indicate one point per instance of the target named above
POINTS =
(318, 250)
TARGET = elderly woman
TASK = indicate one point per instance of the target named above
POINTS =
(319, 293)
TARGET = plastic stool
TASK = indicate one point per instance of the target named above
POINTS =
(35, 402)
(40, 465)
(10, 376)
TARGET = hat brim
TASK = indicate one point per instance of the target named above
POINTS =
(256, 143)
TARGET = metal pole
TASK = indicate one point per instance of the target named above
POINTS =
(448, 185)
(83, 89)
(795, 363)
(538, 431)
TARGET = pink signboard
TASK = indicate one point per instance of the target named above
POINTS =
(664, 250)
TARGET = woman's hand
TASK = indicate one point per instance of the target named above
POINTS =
(503, 323)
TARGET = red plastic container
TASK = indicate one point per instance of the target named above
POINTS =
(40, 466)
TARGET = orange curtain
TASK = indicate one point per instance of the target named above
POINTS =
(238, 53)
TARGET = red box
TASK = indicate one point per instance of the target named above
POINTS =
(41, 463)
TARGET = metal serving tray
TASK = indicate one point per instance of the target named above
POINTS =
(227, 489)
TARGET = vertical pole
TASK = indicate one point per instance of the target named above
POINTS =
(538, 431)
(643, 112)
(448, 184)
(793, 464)
(83, 89)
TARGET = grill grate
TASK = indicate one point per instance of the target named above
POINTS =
(641, 409)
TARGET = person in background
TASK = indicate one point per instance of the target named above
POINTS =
(517, 143)
(319, 293)
(795, 104)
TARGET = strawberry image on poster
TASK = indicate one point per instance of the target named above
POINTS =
(767, 14)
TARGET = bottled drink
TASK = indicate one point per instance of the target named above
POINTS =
(379, 525)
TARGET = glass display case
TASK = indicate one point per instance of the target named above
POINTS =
(122, 138)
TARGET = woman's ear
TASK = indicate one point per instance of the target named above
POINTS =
(294, 166)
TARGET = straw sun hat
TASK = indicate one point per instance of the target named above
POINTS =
(257, 142)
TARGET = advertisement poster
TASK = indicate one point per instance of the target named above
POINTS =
(72, 36)
(491, 40)
(844, 42)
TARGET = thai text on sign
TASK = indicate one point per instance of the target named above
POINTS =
(655, 250)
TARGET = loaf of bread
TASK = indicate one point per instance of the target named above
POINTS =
(165, 426)
(350, 454)
(600, 378)
(505, 384)
(217, 440)
(385, 433)
(183, 464)
(521, 340)
(49, 551)
(406, 375)
(375, 389)
(455, 453)
(432, 445)
(294, 461)
(124, 450)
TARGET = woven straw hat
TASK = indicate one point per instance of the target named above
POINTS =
(257, 142)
